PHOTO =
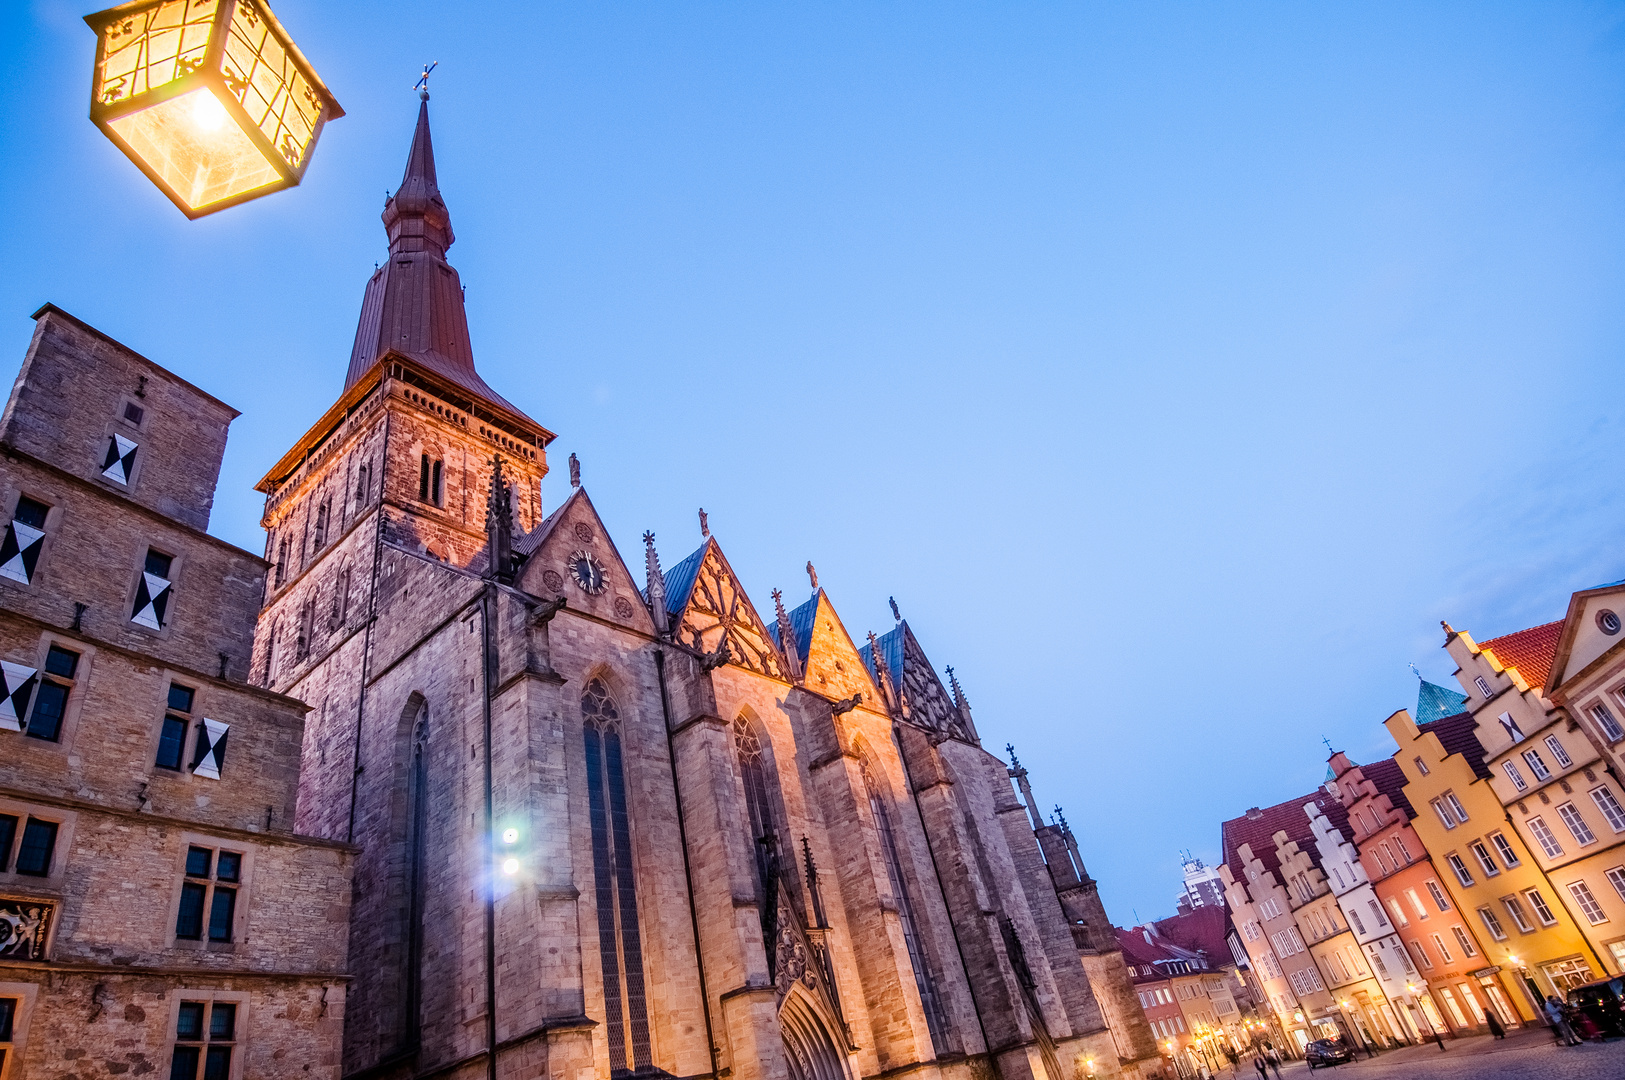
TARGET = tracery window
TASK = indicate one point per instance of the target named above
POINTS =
(626, 1016)
(753, 770)
(934, 1018)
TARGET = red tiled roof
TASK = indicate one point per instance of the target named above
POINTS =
(1201, 930)
(1288, 816)
(1389, 779)
(1137, 954)
(1531, 651)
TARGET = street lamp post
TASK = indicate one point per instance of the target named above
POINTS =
(210, 98)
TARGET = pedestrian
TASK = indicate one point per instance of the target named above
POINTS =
(1275, 1061)
(1263, 1070)
(1496, 1029)
(1562, 1033)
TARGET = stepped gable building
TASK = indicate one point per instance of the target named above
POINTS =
(616, 823)
(159, 914)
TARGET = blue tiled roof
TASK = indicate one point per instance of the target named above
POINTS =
(801, 625)
(891, 647)
(1435, 702)
(679, 580)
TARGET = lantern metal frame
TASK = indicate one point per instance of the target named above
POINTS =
(209, 73)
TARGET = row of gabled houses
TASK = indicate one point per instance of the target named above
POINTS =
(1474, 873)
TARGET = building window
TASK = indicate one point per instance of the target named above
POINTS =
(152, 591)
(51, 697)
(1421, 766)
(1577, 826)
(1446, 814)
(1399, 913)
(25, 538)
(1484, 859)
(1483, 686)
(1568, 974)
(1444, 950)
(934, 1018)
(210, 889)
(205, 1035)
(177, 721)
(1438, 895)
(1616, 878)
(1492, 924)
(9, 1007)
(38, 848)
(1459, 867)
(1542, 911)
(1376, 960)
(1559, 755)
(1376, 913)
(1509, 857)
(1417, 905)
(1536, 765)
(318, 535)
(1515, 909)
(431, 481)
(1514, 775)
(1354, 919)
(1612, 812)
(1606, 723)
(1464, 941)
(1588, 903)
(620, 945)
(1545, 838)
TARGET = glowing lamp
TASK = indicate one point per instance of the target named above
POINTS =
(210, 98)
(510, 836)
(510, 867)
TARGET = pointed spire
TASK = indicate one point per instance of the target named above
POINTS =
(961, 702)
(499, 525)
(882, 671)
(656, 583)
(787, 639)
(416, 216)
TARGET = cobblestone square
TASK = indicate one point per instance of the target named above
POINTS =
(1529, 1055)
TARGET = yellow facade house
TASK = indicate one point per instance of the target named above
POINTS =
(1587, 681)
(1551, 781)
(1530, 943)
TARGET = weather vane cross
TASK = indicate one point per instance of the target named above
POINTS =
(422, 85)
(1328, 743)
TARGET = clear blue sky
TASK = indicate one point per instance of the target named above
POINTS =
(1177, 366)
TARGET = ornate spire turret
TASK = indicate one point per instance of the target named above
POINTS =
(499, 525)
(656, 583)
(787, 639)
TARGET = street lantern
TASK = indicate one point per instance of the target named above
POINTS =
(210, 98)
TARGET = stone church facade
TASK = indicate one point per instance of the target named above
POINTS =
(618, 819)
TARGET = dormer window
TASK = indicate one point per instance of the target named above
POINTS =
(25, 537)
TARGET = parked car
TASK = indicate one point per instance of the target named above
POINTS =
(1603, 1004)
(1327, 1052)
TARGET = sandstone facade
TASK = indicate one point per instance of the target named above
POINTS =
(150, 874)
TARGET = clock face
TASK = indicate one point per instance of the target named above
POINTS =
(587, 572)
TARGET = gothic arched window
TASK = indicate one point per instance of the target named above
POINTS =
(626, 1016)
(753, 771)
(934, 1018)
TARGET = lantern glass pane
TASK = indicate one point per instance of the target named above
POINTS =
(150, 48)
(195, 148)
(264, 78)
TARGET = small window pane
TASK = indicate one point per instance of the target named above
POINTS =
(39, 843)
(8, 1010)
(50, 705)
(8, 833)
(190, 1023)
(61, 662)
(172, 743)
(133, 412)
(229, 867)
(158, 564)
(180, 698)
(197, 861)
(184, 1063)
(223, 1021)
(221, 913)
(189, 922)
(30, 512)
(217, 1065)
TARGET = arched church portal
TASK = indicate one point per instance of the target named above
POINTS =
(808, 1048)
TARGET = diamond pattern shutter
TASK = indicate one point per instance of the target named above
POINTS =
(151, 601)
(211, 748)
(16, 687)
(120, 459)
(19, 552)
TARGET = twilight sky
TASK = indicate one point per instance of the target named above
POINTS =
(1177, 367)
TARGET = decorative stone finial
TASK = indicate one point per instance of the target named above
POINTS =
(787, 638)
(656, 583)
(1010, 748)
(575, 471)
(812, 575)
(499, 525)
(705, 524)
(961, 702)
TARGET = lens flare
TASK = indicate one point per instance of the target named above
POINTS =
(207, 112)
(510, 867)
